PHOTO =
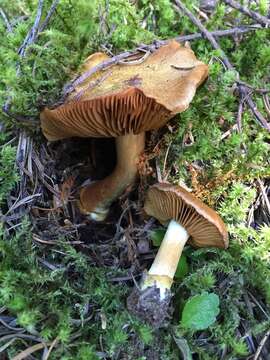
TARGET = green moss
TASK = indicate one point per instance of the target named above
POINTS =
(8, 174)
(222, 170)
(159, 17)
(61, 47)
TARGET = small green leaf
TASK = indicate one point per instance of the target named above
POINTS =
(182, 267)
(157, 236)
(200, 311)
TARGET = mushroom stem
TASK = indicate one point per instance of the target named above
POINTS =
(96, 198)
(162, 271)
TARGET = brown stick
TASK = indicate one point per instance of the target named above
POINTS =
(25, 353)
(33, 32)
(253, 108)
(48, 16)
(261, 345)
(242, 88)
(250, 13)
(207, 34)
(239, 115)
(6, 21)
(30, 39)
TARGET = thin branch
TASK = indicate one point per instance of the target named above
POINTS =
(6, 21)
(30, 38)
(32, 34)
(266, 104)
(239, 115)
(207, 34)
(53, 344)
(219, 33)
(17, 117)
(261, 345)
(22, 200)
(48, 17)
(242, 88)
(257, 90)
(27, 352)
(253, 107)
(250, 13)
(264, 195)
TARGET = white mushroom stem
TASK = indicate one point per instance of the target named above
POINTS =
(169, 253)
(165, 264)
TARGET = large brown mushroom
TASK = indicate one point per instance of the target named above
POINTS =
(123, 102)
(188, 219)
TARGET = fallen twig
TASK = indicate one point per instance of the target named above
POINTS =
(261, 345)
(33, 32)
(48, 265)
(52, 242)
(10, 327)
(257, 90)
(250, 13)
(30, 39)
(219, 33)
(264, 195)
(48, 17)
(6, 21)
(25, 148)
(21, 202)
(53, 344)
(242, 88)
(239, 115)
(25, 353)
(137, 61)
(165, 160)
(266, 104)
(180, 7)
(118, 230)
(20, 336)
(123, 278)
(229, 132)
(253, 107)
(257, 302)
(158, 171)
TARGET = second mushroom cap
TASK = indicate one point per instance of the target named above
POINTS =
(168, 202)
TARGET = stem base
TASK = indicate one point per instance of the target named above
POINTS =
(163, 283)
(149, 307)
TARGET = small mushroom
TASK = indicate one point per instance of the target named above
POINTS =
(189, 220)
(124, 101)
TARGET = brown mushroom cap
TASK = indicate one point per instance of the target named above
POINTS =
(168, 202)
(126, 99)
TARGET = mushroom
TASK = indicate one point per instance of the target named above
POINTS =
(189, 220)
(124, 101)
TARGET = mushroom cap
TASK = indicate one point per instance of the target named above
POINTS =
(125, 98)
(168, 202)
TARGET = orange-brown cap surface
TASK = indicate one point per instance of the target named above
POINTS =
(126, 99)
(168, 202)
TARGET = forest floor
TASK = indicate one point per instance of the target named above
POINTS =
(64, 279)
